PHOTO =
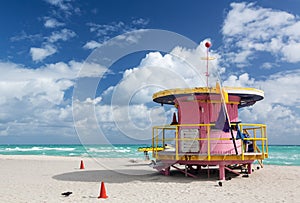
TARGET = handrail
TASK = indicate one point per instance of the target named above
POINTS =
(177, 147)
(256, 131)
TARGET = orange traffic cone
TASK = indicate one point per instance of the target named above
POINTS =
(102, 191)
(81, 165)
(174, 122)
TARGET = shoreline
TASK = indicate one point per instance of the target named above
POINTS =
(35, 178)
(49, 157)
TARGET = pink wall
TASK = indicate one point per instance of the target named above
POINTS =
(205, 109)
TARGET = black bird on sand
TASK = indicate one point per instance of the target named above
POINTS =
(220, 183)
(66, 194)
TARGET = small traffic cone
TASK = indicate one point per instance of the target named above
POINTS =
(174, 122)
(81, 165)
(102, 191)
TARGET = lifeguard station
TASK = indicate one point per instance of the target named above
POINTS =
(204, 130)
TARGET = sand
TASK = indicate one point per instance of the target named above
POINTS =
(44, 178)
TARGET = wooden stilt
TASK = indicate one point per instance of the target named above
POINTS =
(198, 169)
(208, 172)
(167, 171)
(221, 172)
(249, 166)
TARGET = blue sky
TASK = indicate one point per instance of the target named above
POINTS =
(44, 45)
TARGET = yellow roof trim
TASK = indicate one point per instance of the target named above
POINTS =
(201, 90)
(248, 95)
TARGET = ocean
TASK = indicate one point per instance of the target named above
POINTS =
(278, 154)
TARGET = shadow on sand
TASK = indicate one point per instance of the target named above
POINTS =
(122, 176)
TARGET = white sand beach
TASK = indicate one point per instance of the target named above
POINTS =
(44, 178)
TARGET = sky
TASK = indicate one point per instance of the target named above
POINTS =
(84, 71)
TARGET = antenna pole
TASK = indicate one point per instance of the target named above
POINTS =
(207, 45)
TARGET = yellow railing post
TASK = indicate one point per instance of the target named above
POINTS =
(208, 143)
(157, 133)
(254, 141)
(243, 150)
(242, 143)
(153, 129)
(176, 143)
(265, 133)
(262, 142)
(163, 138)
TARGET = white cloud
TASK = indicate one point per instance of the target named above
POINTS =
(31, 99)
(116, 28)
(181, 68)
(244, 18)
(278, 109)
(283, 88)
(39, 54)
(239, 81)
(249, 28)
(120, 40)
(113, 122)
(140, 21)
(89, 69)
(280, 88)
(269, 65)
(92, 45)
(34, 100)
(49, 48)
(108, 29)
(40, 95)
(64, 35)
(24, 36)
(62, 4)
(4, 130)
(46, 83)
(57, 71)
(52, 23)
(124, 108)
(291, 51)
(132, 37)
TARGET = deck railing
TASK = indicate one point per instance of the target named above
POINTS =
(257, 135)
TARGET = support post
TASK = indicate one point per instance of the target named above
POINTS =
(167, 171)
(249, 166)
(199, 169)
(221, 172)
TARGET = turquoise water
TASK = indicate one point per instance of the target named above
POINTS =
(106, 151)
(278, 155)
(284, 155)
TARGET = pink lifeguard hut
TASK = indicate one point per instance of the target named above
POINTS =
(206, 130)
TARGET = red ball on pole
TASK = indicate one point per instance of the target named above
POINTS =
(207, 44)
